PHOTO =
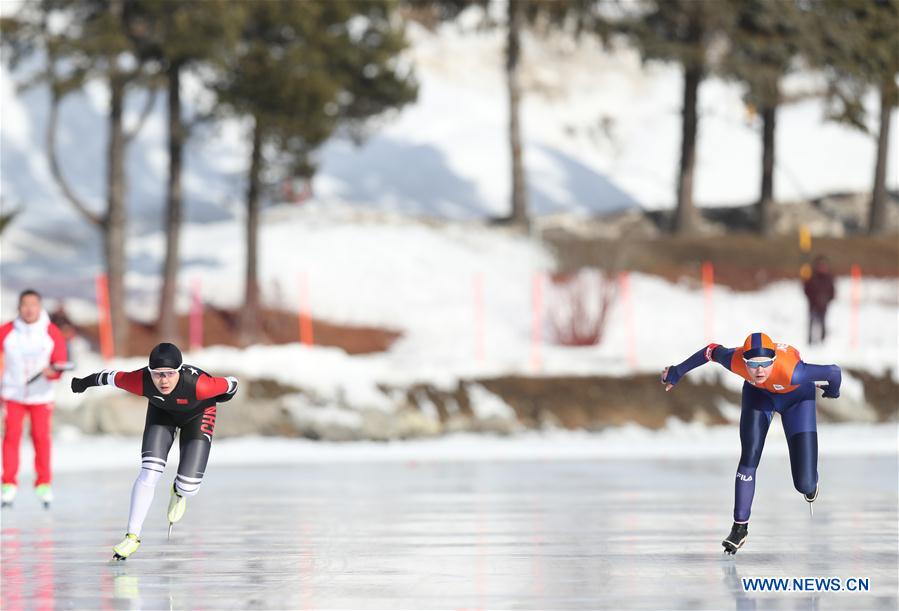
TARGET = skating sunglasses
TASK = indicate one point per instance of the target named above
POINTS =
(164, 373)
(757, 364)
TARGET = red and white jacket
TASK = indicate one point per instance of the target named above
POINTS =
(25, 350)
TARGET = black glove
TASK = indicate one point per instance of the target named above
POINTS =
(673, 376)
(79, 385)
(830, 392)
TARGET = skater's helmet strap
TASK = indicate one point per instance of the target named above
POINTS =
(165, 355)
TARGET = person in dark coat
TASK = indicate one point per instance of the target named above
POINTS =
(819, 290)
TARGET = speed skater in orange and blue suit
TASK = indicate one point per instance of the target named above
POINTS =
(776, 380)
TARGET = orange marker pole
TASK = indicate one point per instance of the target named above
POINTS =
(536, 320)
(708, 284)
(854, 320)
(805, 239)
(624, 285)
(306, 337)
(107, 348)
(196, 316)
(479, 317)
(805, 245)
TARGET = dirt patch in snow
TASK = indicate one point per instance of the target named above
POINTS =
(742, 261)
(220, 328)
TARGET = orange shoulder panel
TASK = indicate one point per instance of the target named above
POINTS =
(781, 374)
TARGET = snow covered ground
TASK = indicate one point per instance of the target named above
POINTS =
(423, 284)
(602, 135)
(463, 297)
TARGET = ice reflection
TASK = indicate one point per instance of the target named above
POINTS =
(11, 568)
(125, 587)
(732, 580)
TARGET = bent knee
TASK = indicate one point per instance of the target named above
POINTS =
(187, 486)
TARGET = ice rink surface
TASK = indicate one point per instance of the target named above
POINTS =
(609, 534)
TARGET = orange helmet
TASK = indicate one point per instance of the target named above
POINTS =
(758, 345)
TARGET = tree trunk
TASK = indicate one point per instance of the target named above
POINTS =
(766, 200)
(685, 217)
(116, 216)
(877, 218)
(519, 214)
(249, 327)
(168, 321)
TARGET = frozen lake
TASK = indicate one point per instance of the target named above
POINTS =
(623, 534)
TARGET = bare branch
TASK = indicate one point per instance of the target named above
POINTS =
(55, 169)
(145, 113)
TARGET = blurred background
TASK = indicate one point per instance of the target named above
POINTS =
(409, 219)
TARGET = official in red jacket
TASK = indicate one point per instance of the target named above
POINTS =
(32, 353)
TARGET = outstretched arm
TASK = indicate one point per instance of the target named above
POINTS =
(132, 381)
(713, 352)
(809, 372)
(221, 389)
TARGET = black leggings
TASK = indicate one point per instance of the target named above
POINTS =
(194, 443)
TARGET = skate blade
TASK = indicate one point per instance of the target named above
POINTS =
(730, 548)
(811, 510)
(118, 558)
(171, 524)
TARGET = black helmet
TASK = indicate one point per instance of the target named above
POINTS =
(165, 355)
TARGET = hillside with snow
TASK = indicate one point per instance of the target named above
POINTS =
(393, 237)
(601, 133)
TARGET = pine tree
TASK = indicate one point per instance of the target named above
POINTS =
(763, 42)
(545, 15)
(302, 71)
(681, 31)
(175, 36)
(856, 43)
